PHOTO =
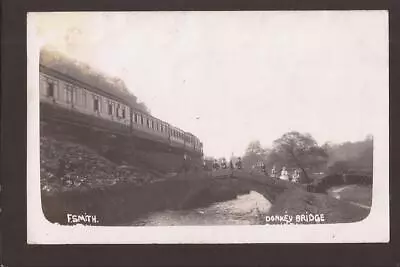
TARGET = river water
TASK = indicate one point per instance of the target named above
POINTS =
(245, 209)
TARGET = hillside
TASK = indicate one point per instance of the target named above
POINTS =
(69, 166)
(74, 157)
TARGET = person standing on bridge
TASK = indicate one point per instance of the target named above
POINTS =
(215, 165)
(231, 164)
(223, 163)
(296, 176)
(284, 174)
(273, 172)
(263, 168)
(231, 167)
(204, 165)
(239, 163)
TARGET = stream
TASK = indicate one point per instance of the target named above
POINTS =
(248, 209)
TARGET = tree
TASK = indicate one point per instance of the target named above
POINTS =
(299, 150)
(254, 153)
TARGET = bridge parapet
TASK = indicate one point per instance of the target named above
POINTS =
(270, 187)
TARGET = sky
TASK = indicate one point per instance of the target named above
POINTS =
(234, 77)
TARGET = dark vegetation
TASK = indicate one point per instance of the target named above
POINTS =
(88, 75)
(356, 157)
(327, 182)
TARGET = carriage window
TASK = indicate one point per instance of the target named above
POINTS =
(118, 110)
(78, 96)
(135, 117)
(84, 98)
(50, 89)
(96, 105)
(68, 94)
(123, 112)
(110, 108)
(75, 92)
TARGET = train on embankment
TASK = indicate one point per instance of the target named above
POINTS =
(66, 98)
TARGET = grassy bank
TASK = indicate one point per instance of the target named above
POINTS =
(300, 202)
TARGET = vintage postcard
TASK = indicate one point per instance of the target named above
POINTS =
(208, 127)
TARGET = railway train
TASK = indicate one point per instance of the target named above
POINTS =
(69, 95)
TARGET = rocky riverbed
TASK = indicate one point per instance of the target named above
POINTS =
(247, 209)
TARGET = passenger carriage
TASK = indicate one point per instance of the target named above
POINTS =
(86, 104)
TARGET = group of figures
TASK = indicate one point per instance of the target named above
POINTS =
(224, 165)
(283, 174)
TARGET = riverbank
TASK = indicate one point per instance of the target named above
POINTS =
(300, 202)
(122, 203)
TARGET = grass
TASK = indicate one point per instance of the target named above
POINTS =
(298, 201)
(355, 193)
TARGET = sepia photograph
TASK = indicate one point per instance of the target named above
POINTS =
(208, 126)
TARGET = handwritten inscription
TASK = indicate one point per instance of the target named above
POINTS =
(82, 219)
